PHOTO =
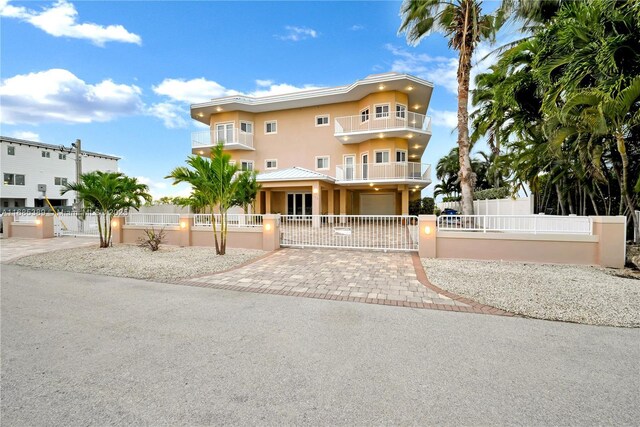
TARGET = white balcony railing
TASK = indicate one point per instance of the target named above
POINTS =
(409, 171)
(536, 224)
(408, 121)
(229, 137)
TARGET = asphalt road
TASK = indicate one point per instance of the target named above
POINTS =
(81, 350)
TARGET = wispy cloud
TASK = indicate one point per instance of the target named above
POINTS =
(444, 118)
(295, 34)
(179, 93)
(25, 134)
(61, 20)
(440, 70)
(357, 27)
(57, 95)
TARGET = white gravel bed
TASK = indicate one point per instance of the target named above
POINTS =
(579, 294)
(169, 262)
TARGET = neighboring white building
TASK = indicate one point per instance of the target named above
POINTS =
(25, 165)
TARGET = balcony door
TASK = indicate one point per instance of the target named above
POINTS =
(349, 166)
(365, 166)
(224, 133)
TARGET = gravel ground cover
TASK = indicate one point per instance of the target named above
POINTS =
(579, 294)
(170, 262)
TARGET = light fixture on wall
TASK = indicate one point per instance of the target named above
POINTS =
(114, 224)
(183, 224)
(38, 221)
(315, 191)
(427, 229)
(267, 227)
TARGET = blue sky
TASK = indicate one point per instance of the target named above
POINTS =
(120, 75)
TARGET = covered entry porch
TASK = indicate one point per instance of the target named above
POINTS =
(298, 191)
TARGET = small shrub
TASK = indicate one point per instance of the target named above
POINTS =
(152, 239)
(492, 193)
(424, 206)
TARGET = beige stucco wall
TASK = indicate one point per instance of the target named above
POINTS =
(132, 233)
(298, 141)
(555, 249)
(243, 239)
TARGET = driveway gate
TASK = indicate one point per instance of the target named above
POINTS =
(382, 232)
(72, 224)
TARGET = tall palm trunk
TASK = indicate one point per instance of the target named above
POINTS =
(466, 175)
(624, 187)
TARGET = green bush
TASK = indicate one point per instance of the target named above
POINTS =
(424, 206)
(492, 193)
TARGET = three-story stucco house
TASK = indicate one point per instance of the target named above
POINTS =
(346, 150)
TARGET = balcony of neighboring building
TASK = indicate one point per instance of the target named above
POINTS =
(232, 138)
(383, 124)
(391, 172)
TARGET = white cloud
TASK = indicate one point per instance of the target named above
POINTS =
(159, 189)
(263, 83)
(25, 134)
(60, 20)
(439, 70)
(295, 33)
(448, 119)
(58, 95)
(172, 115)
(191, 91)
(357, 27)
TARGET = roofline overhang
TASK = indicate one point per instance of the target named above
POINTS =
(325, 179)
(61, 148)
(306, 98)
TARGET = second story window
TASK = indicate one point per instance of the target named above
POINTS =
(62, 156)
(322, 120)
(11, 151)
(401, 111)
(364, 115)
(322, 162)
(382, 111)
(13, 179)
(401, 156)
(59, 181)
(246, 165)
(271, 127)
(271, 164)
(382, 156)
(246, 127)
(46, 154)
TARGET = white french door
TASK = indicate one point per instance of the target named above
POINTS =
(224, 133)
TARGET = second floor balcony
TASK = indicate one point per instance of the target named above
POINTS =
(232, 138)
(355, 129)
(401, 172)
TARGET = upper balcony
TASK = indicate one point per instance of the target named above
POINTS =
(355, 129)
(233, 139)
(392, 172)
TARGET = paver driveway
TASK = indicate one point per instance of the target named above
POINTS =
(16, 247)
(374, 277)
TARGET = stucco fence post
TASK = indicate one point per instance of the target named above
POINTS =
(270, 232)
(40, 228)
(117, 228)
(612, 240)
(427, 233)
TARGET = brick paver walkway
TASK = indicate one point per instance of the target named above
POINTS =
(394, 278)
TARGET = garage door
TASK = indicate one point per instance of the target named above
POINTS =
(378, 204)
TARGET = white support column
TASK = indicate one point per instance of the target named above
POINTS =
(330, 199)
(316, 204)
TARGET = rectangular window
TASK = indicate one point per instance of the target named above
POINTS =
(13, 179)
(382, 111)
(62, 156)
(322, 162)
(382, 156)
(224, 133)
(401, 111)
(401, 156)
(11, 151)
(246, 165)
(46, 154)
(271, 127)
(59, 181)
(246, 127)
(364, 115)
(322, 120)
(271, 164)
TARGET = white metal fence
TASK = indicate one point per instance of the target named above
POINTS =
(384, 171)
(152, 219)
(233, 220)
(536, 224)
(74, 224)
(386, 121)
(383, 232)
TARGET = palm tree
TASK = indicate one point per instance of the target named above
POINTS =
(215, 182)
(600, 114)
(248, 189)
(106, 194)
(464, 24)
